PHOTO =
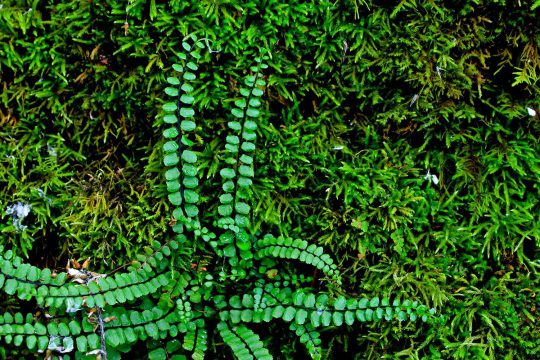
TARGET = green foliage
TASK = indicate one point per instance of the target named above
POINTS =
(364, 102)
(309, 337)
(306, 308)
(167, 294)
(243, 342)
(299, 250)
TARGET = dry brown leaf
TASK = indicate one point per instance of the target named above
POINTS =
(76, 264)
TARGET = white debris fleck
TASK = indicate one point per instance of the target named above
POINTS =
(51, 150)
(54, 343)
(18, 212)
(531, 111)
(95, 352)
(337, 148)
(71, 306)
(439, 69)
(60, 344)
(431, 177)
(414, 99)
(210, 50)
(42, 195)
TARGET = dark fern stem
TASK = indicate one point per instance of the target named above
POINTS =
(101, 323)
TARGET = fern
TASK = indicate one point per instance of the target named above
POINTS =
(101, 315)
(195, 340)
(179, 158)
(310, 338)
(287, 248)
(303, 307)
(235, 242)
(244, 343)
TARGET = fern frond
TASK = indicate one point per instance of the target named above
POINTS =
(179, 158)
(245, 344)
(287, 248)
(19, 329)
(303, 307)
(310, 338)
(122, 327)
(234, 208)
(196, 340)
(86, 288)
(237, 177)
(129, 326)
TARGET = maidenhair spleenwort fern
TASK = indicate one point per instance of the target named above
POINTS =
(88, 315)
